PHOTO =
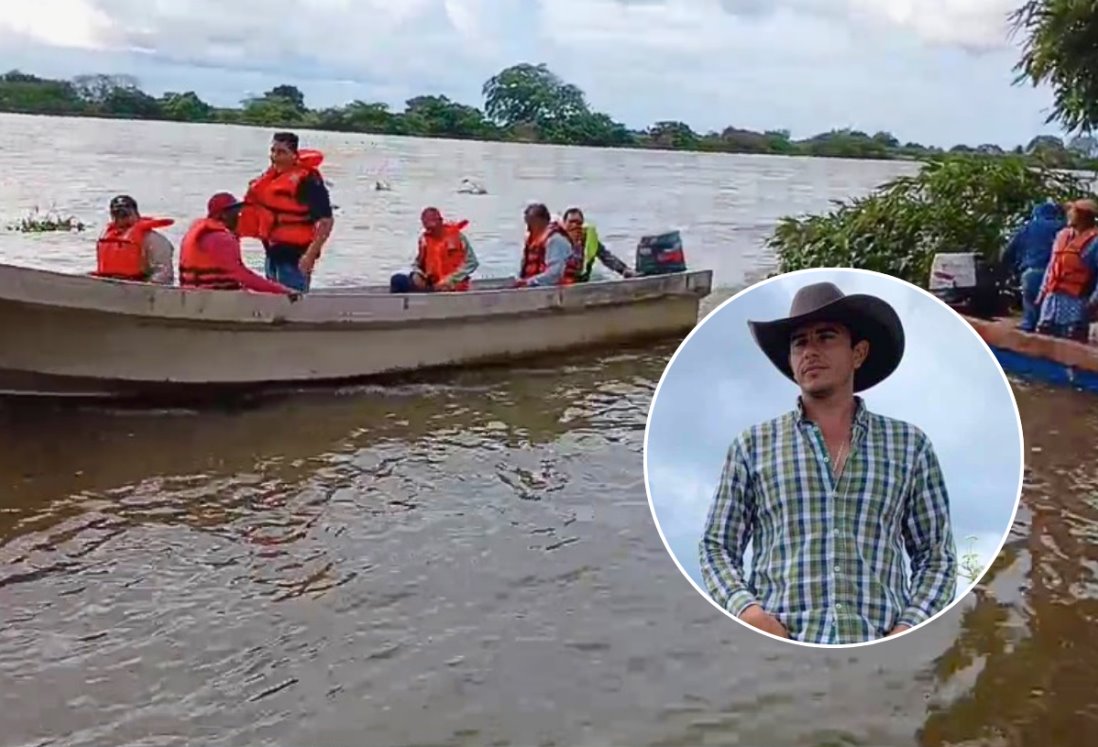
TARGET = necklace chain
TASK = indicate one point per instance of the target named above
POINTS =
(839, 462)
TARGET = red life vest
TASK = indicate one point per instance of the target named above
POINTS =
(1068, 273)
(197, 269)
(120, 252)
(271, 210)
(533, 255)
(441, 256)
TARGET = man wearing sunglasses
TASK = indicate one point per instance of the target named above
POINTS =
(130, 247)
(586, 239)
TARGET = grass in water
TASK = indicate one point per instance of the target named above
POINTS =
(970, 565)
(50, 221)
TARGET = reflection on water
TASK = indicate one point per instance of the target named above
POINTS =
(1028, 654)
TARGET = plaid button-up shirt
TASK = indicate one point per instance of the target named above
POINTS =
(835, 561)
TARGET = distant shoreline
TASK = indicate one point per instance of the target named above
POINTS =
(524, 103)
(456, 139)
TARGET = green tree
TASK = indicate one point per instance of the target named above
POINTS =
(531, 94)
(289, 93)
(672, 135)
(271, 111)
(185, 107)
(20, 92)
(1059, 50)
(954, 203)
(359, 116)
(439, 116)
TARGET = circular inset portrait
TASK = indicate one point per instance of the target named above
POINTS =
(833, 457)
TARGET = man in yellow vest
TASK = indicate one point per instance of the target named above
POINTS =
(587, 238)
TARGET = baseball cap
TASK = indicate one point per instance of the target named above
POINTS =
(123, 204)
(221, 202)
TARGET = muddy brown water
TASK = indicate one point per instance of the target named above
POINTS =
(470, 560)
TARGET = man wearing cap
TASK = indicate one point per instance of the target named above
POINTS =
(1067, 297)
(831, 496)
(130, 248)
(209, 257)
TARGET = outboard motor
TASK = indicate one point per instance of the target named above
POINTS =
(660, 254)
(969, 284)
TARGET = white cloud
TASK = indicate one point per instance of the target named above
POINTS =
(803, 65)
(62, 23)
(976, 24)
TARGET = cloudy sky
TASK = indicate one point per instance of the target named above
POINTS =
(935, 71)
(948, 384)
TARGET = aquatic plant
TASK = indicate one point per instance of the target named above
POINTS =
(49, 221)
(953, 204)
(970, 566)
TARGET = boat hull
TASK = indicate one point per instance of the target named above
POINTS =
(66, 335)
(1039, 357)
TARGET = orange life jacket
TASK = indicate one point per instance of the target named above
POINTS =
(197, 269)
(441, 256)
(1068, 273)
(533, 255)
(120, 252)
(271, 211)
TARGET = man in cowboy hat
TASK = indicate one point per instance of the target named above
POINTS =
(830, 495)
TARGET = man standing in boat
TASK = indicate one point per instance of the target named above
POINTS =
(130, 247)
(831, 495)
(548, 256)
(289, 209)
(1028, 253)
(445, 259)
(585, 239)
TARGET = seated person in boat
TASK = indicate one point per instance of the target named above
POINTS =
(585, 239)
(1067, 296)
(1028, 253)
(444, 261)
(548, 256)
(130, 247)
(289, 209)
(209, 256)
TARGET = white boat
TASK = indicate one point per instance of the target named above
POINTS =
(63, 334)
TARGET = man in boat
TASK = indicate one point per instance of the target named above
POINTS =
(1028, 253)
(585, 239)
(831, 495)
(1066, 298)
(445, 259)
(209, 256)
(290, 210)
(548, 256)
(130, 247)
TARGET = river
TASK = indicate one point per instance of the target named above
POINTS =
(468, 559)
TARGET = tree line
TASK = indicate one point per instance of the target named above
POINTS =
(523, 103)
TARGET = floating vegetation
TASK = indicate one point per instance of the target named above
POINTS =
(47, 222)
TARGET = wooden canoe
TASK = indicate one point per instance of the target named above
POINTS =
(1040, 357)
(64, 334)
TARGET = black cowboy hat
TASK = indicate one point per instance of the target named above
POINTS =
(868, 317)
